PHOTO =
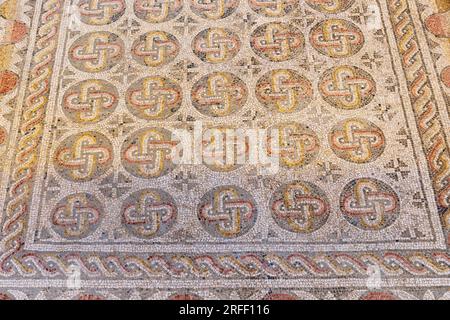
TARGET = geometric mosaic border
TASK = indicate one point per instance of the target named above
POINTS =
(276, 269)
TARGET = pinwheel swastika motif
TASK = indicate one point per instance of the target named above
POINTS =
(101, 12)
(277, 41)
(370, 204)
(300, 207)
(347, 87)
(77, 215)
(90, 101)
(214, 9)
(149, 213)
(83, 156)
(330, 6)
(154, 98)
(273, 8)
(222, 148)
(284, 91)
(216, 45)
(297, 145)
(96, 51)
(155, 48)
(336, 38)
(219, 94)
(148, 153)
(357, 140)
(157, 11)
(227, 212)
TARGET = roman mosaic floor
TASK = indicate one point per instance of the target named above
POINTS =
(224, 149)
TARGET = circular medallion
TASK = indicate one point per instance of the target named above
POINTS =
(284, 91)
(83, 156)
(155, 48)
(336, 38)
(277, 41)
(154, 98)
(77, 216)
(369, 204)
(149, 213)
(216, 45)
(96, 51)
(357, 140)
(157, 11)
(300, 207)
(223, 148)
(148, 153)
(90, 101)
(100, 12)
(273, 8)
(227, 212)
(347, 87)
(214, 9)
(330, 6)
(219, 94)
(295, 146)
